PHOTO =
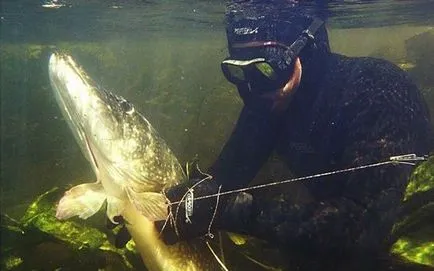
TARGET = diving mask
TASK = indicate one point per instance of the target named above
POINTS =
(269, 73)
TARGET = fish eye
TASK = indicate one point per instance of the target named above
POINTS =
(126, 106)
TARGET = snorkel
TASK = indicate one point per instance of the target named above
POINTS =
(235, 70)
(275, 48)
(267, 66)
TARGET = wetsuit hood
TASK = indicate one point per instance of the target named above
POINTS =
(279, 21)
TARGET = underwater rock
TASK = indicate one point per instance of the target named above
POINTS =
(38, 241)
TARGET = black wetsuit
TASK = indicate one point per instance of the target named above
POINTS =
(355, 112)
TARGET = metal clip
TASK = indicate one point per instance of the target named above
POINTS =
(189, 199)
(410, 158)
(308, 34)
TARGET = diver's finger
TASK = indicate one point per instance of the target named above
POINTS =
(118, 219)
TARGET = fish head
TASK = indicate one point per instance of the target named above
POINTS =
(88, 106)
(122, 146)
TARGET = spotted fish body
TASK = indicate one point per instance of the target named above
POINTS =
(132, 164)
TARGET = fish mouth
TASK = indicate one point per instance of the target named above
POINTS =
(74, 91)
(70, 88)
(82, 103)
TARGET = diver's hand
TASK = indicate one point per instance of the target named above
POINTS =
(192, 222)
(225, 212)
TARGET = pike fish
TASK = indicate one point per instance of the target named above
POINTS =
(132, 164)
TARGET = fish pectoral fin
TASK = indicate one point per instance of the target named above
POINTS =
(150, 204)
(83, 200)
(115, 207)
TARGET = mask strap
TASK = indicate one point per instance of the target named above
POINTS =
(306, 36)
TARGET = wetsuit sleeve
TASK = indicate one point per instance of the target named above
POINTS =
(247, 149)
(384, 116)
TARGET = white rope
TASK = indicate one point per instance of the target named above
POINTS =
(206, 178)
(216, 257)
(407, 159)
(169, 216)
(209, 234)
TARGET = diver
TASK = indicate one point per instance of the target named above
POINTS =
(319, 112)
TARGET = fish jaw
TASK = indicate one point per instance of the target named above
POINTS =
(79, 100)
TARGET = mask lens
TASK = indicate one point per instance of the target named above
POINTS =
(266, 69)
(236, 70)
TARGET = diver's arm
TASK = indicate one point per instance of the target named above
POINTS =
(341, 223)
(250, 143)
(247, 149)
(245, 152)
(361, 217)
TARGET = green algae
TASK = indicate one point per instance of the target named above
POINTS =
(39, 230)
(422, 252)
(41, 215)
(422, 178)
(12, 262)
(417, 229)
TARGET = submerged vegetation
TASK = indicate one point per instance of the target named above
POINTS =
(38, 241)
(422, 179)
(416, 228)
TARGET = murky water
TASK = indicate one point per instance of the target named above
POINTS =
(164, 56)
